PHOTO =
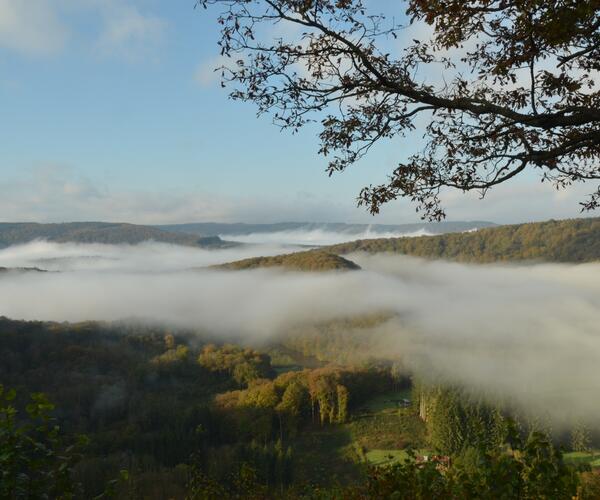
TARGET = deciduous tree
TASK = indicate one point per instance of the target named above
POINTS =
(517, 87)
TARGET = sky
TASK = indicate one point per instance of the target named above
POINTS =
(110, 111)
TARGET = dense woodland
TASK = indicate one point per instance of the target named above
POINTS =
(481, 92)
(187, 417)
(312, 260)
(134, 410)
(576, 240)
(100, 232)
(151, 401)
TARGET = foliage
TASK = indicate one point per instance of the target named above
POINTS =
(160, 406)
(399, 430)
(346, 341)
(35, 462)
(173, 355)
(278, 407)
(530, 469)
(516, 91)
(580, 438)
(244, 365)
(589, 457)
(590, 486)
(576, 240)
(456, 421)
(243, 484)
(313, 260)
(119, 385)
(99, 232)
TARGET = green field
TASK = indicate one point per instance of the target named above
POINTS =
(377, 433)
(591, 458)
(388, 457)
(336, 454)
(379, 429)
(386, 402)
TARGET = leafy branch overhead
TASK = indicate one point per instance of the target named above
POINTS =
(519, 89)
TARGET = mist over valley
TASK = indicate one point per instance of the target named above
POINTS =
(300, 250)
(519, 321)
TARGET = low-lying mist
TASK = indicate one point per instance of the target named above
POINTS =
(145, 257)
(526, 333)
(317, 237)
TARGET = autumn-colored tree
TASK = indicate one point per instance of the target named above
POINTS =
(516, 86)
(244, 365)
(293, 402)
(580, 438)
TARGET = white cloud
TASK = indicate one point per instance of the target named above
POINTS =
(208, 73)
(43, 27)
(32, 27)
(524, 199)
(127, 32)
(55, 194)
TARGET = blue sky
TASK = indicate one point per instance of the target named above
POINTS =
(110, 111)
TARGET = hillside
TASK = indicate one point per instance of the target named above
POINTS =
(213, 228)
(301, 261)
(21, 270)
(574, 240)
(100, 232)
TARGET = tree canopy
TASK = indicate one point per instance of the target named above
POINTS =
(576, 240)
(517, 87)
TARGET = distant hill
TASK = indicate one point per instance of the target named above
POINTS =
(100, 232)
(4, 270)
(574, 240)
(312, 260)
(215, 228)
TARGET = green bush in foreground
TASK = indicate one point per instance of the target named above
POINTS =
(527, 470)
(34, 461)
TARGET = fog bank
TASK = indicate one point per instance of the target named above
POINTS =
(148, 257)
(317, 237)
(529, 333)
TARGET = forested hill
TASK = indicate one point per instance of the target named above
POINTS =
(312, 260)
(574, 240)
(4, 270)
(99, 232)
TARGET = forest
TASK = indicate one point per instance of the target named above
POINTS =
(144, 411)
(170, 328)
(327, 408)
(101, 232)
(574, 240)
(311, 260)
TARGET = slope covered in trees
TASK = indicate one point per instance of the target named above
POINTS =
(22, 270)
(99, 232)
(160, 404)
(574, 240)
(190, 419)
(312, 260)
